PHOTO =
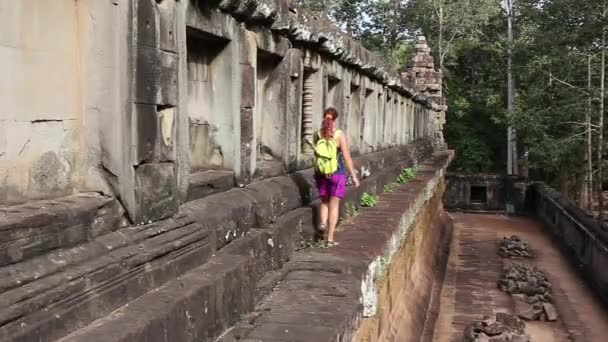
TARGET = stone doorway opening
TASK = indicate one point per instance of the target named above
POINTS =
(209, 105)
(479, 195)
(269, 116)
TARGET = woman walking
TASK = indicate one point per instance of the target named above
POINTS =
(332, 161)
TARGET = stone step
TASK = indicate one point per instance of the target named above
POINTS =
(35, 228)
(64, 290)
(203, 303)
(206, 183)
(74, 286)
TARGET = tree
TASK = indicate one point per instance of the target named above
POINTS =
(445, 22)
(512, 160)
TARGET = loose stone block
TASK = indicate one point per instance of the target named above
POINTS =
(550, 311)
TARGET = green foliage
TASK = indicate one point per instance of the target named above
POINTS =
(368, 200)
(384, 268)
(313, 244)
(406, 175)
(552, 41)
(351, 210)
(389, 187)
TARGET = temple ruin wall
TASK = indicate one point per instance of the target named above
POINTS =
(133, 98)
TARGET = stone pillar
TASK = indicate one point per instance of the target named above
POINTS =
(248, 58)
(307, 110)
(294, 108)
(147, 177)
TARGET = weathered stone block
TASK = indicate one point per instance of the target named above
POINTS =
(167, 122)
(248, 152)
(274, 197)
(248, 46)
(167, 10)
(147, 23)
(247, 86)
(145, 135)
(155, 191)
(229, 221)
(104, 274)
(203, 184)
(156, 78)
(272, 43)
(258, 247)
(212, 22)
(288, 231)
(196, 307)
(268, 169)
(35, 228)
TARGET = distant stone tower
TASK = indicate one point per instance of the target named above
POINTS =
(429, 81)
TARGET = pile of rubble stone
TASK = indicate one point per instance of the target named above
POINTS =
(531, 290)
(514, 247)
(502, 328)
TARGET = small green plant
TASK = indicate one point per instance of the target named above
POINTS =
(368, 200)
(313, 244)
(351, 210)
(383, 268)
(406, 175)
(390, 187)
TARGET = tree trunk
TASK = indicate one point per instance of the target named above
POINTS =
(440, 35)
(588, 184)
(600, 140)
(512, 167)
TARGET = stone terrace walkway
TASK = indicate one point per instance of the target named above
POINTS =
(470, 292)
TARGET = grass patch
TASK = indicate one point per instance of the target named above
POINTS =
(406, 175)
(313, 244)
(368, 200)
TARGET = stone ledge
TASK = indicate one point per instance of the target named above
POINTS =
(203, 184)
(34, 228)
(79, 285)
(203, 303)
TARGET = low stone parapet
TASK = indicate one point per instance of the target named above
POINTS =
(580, 236)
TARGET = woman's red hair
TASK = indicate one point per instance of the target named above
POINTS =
(329, 118)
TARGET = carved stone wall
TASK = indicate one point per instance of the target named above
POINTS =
(158, 100)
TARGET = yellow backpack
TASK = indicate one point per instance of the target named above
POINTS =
(326, 154)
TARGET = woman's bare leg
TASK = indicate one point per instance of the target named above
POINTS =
(334, 207)
(323, 213)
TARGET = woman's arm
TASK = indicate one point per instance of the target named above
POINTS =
(348, 160)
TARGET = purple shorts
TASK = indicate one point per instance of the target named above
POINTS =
(332, 186)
